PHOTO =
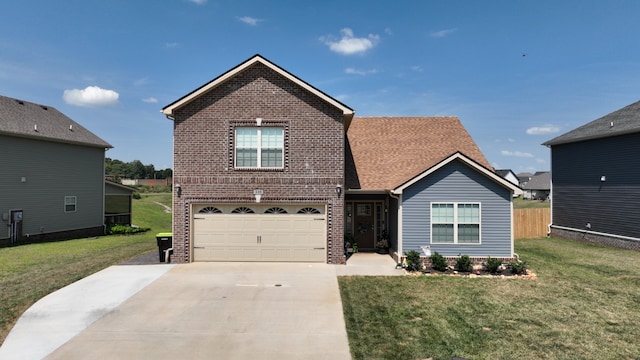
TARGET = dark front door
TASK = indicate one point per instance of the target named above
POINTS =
(363, 225)
(16, 225)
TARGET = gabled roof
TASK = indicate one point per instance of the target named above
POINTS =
(619, 122)
(25, 119)
(469, 162)
(119, 186)
(385, 152)
(504, 172)
(169, 109)
(539, 181)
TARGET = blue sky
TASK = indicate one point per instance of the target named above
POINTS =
(517, 73)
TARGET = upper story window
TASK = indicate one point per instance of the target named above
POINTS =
(455, 223)
(259, 147)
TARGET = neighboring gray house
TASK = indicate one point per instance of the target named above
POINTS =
(52, 177)
(538, 187)
(523, 178)
(595, 185)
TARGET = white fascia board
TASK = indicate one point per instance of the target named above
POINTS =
(458, 156)
(347, 112)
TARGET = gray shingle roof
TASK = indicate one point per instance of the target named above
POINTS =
(25, 119)
(619, 122)
(540, 181)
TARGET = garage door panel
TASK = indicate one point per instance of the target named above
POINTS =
(259, 237)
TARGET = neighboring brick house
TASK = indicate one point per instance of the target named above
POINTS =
(595, 185)
(52, 177)
(260, 158)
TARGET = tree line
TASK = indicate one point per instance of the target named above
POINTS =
(134, 170)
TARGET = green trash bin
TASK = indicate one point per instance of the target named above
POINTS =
(165, 241)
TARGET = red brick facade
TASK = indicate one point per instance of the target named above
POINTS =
(313, 163)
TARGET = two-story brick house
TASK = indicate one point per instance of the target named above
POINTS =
(258, 168)
(260, 158)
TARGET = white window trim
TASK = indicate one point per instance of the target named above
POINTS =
(258, 147)
(75, 203)
(456, 223)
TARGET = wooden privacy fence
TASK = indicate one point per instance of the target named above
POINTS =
(531, 223)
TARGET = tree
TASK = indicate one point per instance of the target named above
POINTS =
(134, 170)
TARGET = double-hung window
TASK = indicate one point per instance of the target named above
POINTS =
(259, 147)
(70, 203)
(455, 223)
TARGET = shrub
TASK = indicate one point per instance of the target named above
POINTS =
(492, 265)
(518, 267)
(438, 262)
(463, 263)
(414, 263)
(116, 229)
(136, 195)
(350, 242)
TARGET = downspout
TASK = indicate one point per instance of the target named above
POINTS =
(166, 255)
(104, 190)
(550, 193)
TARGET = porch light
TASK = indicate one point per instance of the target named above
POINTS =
(338, 190)
(178, 190)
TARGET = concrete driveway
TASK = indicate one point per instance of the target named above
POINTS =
(192, 311)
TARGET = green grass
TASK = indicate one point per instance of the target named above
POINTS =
(585, 304)
(29, 272)
(520, 203)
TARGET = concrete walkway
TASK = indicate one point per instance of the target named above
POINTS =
(195, 311)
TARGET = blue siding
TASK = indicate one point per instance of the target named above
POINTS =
(456, 182)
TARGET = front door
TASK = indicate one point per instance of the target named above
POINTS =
(364, 225)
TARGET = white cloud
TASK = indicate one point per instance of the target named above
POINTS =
(249, 20)
(442, 33)
(349, 44)
(91, 96)
(417, 68)
(171, 45)
(150, 100)
(543, 130)
(516, 154)
(198, 2)
(355, 71)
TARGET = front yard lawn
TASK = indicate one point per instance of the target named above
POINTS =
(585, 304)
(29, 272)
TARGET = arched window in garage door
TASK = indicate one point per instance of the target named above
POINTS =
(210, 210)
(308, 210)
(243, 210)
(275, 210)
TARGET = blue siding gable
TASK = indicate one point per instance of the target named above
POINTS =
(457, 182)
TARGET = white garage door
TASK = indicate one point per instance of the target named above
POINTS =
(257, 232)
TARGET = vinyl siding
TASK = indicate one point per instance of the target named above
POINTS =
(51, 171)
(457, 182)
(579, 197)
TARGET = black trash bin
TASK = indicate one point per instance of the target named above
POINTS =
(164, 241)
